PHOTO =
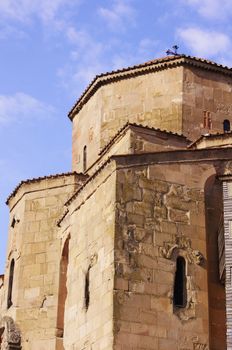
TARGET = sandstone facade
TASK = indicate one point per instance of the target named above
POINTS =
(132, 249)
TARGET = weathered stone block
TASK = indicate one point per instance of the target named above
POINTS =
(176, 215)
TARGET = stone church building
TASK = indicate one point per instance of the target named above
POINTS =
(132, 250)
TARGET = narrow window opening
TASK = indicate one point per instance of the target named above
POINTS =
(226, 125)
(87, 293)
(13, 222)
(207, 120)
(62, 289)
(10, 284)
(84, 158)
(180, 291)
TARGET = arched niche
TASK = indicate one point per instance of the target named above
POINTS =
(10, 284)
(62, 294)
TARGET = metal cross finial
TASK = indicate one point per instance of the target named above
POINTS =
(173, 51)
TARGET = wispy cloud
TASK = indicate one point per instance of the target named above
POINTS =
(90, 57)
(145, 49)
(21, 107)
(119, 15)
(212, 9)
(85, 61)
(25, 10)
(204, 43)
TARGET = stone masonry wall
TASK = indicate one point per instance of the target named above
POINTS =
(137, 140)
(35, 247)
(91, 224)
(205, 91)
(144, 141)
(160, 215)
(153, 99)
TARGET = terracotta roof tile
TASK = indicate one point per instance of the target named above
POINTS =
(37, 179)
(208, 136)
(62, 217)
(90, 178)
(140, 157)
(128, 124)
(156, 64)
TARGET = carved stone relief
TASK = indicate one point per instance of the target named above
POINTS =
(181, 243)
(200, 346)
(10, 338)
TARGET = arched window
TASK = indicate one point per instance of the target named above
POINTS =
(226, 125)
(84, 158)
(10, 284)
(62, 289)
(180, 291)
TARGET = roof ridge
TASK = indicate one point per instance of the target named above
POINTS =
(174, 60)
(208, 136)
(127, 124)
(40, 178)
(102, 166)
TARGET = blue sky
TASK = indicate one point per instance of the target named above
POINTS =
(51, 49)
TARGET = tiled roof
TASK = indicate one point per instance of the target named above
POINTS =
(151, 157)
(218, 134)
(62, 217)
(89, 179)
(210, 136)
(150, 66)
(128, 124)
(37, 179)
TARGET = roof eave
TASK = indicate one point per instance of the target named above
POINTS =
(148, 67)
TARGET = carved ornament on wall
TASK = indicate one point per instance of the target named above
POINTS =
(200, 346)
(10, 337)
(181, 243)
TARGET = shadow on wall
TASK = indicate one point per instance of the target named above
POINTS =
(216, 289)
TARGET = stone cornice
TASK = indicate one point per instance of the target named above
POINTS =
(169, 157)
(145, 68)
(44, 178)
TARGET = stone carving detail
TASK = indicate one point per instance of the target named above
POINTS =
(181, 242)
(93, 259)
(228, 168)
(199, 346)
(222, 108)
(10, 338)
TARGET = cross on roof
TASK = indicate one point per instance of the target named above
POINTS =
(173, 51)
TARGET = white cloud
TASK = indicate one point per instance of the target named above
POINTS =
(82, 41)
(24, 10)
(21, 107)
(212, 9)
(90, 57)
(87, 58)
(119, 15)
(204, 43)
